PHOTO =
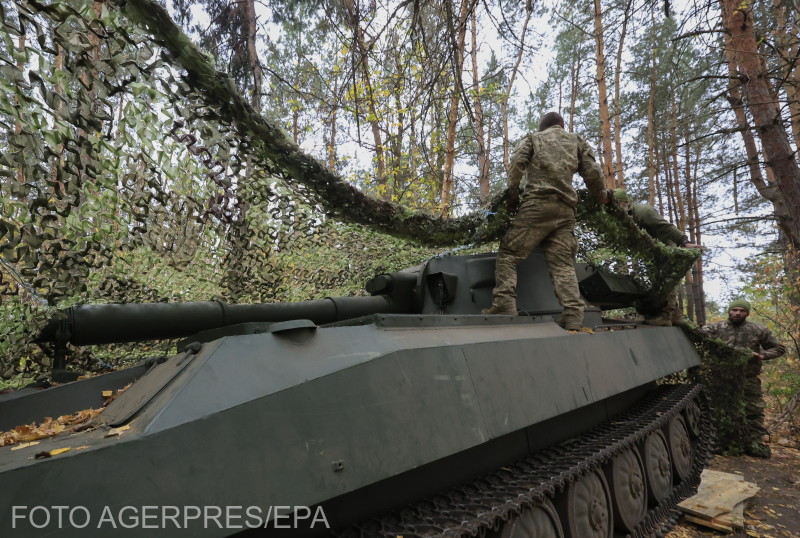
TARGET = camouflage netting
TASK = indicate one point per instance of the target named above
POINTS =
(608, 238)
(133, 170)
(723, 372)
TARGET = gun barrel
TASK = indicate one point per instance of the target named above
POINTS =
(116, 323)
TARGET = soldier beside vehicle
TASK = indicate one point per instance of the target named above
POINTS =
(737, 332)
(657, 227)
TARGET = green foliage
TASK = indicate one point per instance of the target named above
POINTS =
(772, 293)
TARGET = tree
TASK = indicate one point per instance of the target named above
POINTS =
(457, 28)
(761, 101)
(606, 156)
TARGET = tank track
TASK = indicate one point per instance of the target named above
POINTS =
(479, 507)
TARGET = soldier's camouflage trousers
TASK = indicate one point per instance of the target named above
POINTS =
(550, 223)
(670, 309)
(754, 407)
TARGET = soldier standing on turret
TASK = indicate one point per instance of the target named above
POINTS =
(546, 217)
(648, 219)
(738, 332)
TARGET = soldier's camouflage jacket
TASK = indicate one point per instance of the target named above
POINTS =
(549, 159)
(647, 218)
(747, 335)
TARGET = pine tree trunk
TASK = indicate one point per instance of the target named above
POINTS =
(788, 43)
(252, 54)
(606, 157)
(659, 198)
(573, 96)
(511, 79)
(480, 128)
(767, 189)
(354, 21)
(764, 108)
(680, 210)
(445, 199)
(620, 178)
(651, 135)
(695, 302)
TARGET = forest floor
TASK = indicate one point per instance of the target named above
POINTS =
(774, 512)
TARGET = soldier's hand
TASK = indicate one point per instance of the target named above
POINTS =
(605, 196)
(691, 245)
(758, 356)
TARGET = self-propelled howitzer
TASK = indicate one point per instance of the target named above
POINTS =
(405, 412)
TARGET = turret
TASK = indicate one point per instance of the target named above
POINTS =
(459, 285)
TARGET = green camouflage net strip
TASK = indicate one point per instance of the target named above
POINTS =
(282, 155)
(611, 239)
(132, 170)
(722, 371)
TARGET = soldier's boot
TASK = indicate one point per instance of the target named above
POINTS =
(758, 449)
(569, 325)
(659, 321)
(500, 310)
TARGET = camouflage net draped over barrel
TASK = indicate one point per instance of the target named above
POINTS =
(133, 170)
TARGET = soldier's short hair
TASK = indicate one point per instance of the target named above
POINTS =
(550, 119)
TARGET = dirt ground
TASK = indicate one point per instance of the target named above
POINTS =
(775, 510)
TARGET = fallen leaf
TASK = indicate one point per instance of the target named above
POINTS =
(25, 445)
(51, 453)
(108, 393)
(117, 431)
(49, 427)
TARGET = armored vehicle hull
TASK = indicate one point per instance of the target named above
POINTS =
(437, 422)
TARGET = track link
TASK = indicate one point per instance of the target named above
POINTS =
(479, 507)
